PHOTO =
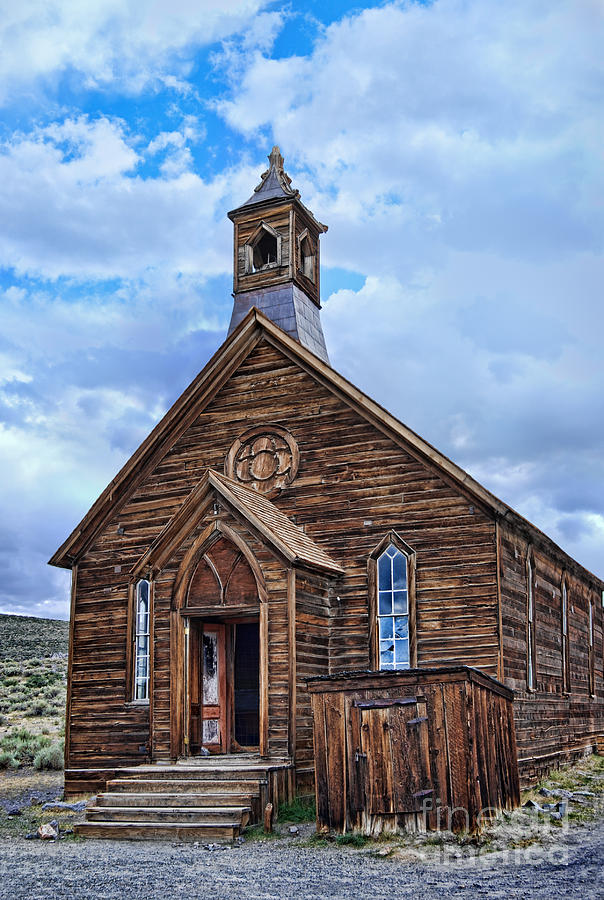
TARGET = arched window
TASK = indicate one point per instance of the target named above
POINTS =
(263, 250)
(306, 255)
(391, 608)
(141, 641)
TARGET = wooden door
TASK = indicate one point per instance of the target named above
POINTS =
(213, 695)
(395, 754)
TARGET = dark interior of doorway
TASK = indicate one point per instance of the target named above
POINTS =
(246, 684)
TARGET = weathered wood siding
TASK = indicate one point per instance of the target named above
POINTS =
(553, 725)
(312, 659)
(354, 484)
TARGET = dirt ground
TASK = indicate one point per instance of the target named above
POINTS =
(527, 853)
(281, 868)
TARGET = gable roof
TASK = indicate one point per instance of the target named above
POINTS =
(273, 525)
(238, 345)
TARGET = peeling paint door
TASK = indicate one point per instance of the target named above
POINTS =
(213, 689)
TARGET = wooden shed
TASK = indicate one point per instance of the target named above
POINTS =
(413, 750)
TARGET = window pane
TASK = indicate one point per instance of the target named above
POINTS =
(400, 602)
(399, 565)
(143, 592)
(391, 550)
(564, 619)
(401, 627)
(401, 651)
(142, 645)
(142, 623)
(211, 731)
(386, 628)
(210, 667)
(142, 667)
(384, 573)
(142, 689)
(385, 604)
(386, 659)
(591, 625)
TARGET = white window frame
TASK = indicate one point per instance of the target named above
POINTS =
(142, 642)
(389, 621)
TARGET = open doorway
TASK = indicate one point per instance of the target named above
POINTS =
(224, 678)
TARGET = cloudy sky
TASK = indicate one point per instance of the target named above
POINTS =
(456, 150)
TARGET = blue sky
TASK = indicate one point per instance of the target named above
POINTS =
(455, 149)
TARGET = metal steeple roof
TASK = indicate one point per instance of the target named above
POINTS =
(275, 182)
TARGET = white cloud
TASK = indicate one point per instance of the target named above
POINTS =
(497, 363)
(73, 205)
(467, 125)
(454, 149)
(82, 382)
(124, 43)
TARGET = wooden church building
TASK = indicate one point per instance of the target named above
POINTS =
(279, 524)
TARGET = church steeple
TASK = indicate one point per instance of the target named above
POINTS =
(276, 259)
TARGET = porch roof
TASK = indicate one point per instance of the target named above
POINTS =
(273, 525)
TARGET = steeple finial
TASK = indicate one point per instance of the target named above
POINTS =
(275, 158)
(275, 183)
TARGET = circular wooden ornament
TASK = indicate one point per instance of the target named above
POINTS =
(265, 458)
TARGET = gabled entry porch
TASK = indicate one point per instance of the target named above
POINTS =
(227, 678)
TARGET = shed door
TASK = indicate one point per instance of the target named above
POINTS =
(394, 743)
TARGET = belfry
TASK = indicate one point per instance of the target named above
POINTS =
(276, 259)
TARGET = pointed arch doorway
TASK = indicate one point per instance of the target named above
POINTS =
(223, 620)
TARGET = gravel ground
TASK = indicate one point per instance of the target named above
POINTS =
(104, 870)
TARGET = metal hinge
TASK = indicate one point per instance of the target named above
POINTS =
(186, 740)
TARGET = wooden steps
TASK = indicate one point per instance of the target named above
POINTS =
(156, 798)
(185, 814)
(209, 800)
(187, 785)
(156, 831)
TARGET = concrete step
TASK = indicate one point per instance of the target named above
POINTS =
(158, 831)
(225, 815)
(188, 785)
(157, 799)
